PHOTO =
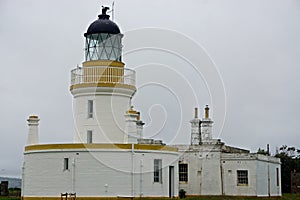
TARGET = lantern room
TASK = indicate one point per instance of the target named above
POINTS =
(103, 39)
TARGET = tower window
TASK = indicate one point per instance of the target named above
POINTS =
(157, 170)
(183, 172)
(242, 177)
(89, 136)
(90, 108)
(66, 163)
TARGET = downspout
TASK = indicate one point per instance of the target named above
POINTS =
(200, 134)
(73, 175)
(269, 192)
(222, 178)
(141, 177)
(23, 180)
(132, 168)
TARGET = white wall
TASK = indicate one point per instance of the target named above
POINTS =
(204, 173)
(98, 172)
(262, 178)
(233, 162)
(268, 176)
(193, 185)
(108, 122)
(211, 174)
(275, 190)
(261, 173)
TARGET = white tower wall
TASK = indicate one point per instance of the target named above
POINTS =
(107, 122)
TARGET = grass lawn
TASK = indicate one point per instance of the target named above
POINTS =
(284, 197)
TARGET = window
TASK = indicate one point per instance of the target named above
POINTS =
(89, 136)
(157, 171)
(90, 108)
(277, 176)
(242, 177)
(66, 163)
(183, 172)
(103, 46)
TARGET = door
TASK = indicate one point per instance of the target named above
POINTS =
(171, 181)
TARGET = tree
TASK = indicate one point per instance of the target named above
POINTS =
(290, 161)
(262, 151)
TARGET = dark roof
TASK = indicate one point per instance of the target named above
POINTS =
(103, 25)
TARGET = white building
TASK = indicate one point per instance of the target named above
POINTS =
(209, 167)
(105, 159)
(109, 156)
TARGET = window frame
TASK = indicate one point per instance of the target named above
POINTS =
(66, 164)
(103, 46)
(90, 109)
(242, 179)
(89, 136)
(157, 173)
(183, 172)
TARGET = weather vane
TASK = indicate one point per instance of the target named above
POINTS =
(104, 10)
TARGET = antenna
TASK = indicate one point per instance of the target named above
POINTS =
(113, 11)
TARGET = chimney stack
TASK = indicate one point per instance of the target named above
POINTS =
(206, 112)
(206, 127)
(195, 128)
(196, 113)
(33, 130)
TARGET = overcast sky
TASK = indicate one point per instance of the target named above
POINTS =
(240, 57)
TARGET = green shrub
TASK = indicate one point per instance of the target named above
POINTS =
(182, 194)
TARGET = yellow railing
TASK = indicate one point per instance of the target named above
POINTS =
(102, 74)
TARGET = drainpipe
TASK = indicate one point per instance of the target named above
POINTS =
(222, 178)
(141, 177)
(132, 168)
(23, 180)
(269, 192)
(73, 175)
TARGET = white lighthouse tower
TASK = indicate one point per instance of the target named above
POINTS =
(109, 158)
(102, 87)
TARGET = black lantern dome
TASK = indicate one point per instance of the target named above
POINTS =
(103, 39)
(103, 25)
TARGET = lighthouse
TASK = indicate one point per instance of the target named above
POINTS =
(109, 158)
(102, 88)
